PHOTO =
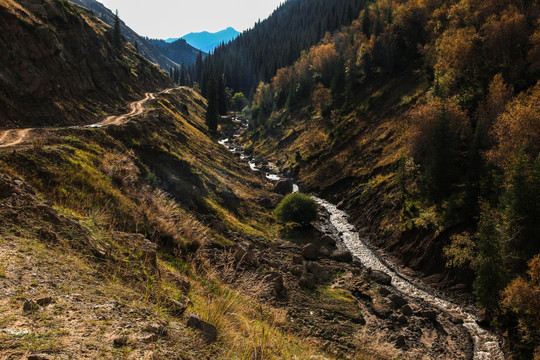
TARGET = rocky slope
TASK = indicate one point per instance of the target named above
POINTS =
(145, 47)
(59, 65)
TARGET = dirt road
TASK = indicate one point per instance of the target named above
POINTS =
(14, 137)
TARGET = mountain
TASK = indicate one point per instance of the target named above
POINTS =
(277, 41)
(58, 65)
(429, 136)
(207, 41)
(179, 51)
(146, 49)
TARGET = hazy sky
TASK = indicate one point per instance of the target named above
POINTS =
(174, 18)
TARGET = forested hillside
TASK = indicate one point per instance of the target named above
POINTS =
(179, 51)
(425, 116)
(276, 42)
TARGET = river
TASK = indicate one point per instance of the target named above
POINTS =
(486, 344)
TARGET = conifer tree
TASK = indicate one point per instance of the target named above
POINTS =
(117, 36)
(222, 96)
(182, 74)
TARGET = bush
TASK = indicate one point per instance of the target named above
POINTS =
(297, 207)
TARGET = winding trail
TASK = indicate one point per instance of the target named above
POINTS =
(14, 137)
(486, 344)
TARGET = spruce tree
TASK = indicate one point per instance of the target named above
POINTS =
(222, 96)
(117, 36)
(212, 114)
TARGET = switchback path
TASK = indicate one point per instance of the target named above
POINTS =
(14, 137)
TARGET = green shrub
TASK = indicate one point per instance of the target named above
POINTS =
(297, 207)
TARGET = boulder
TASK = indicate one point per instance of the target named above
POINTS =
(283, 187)
(317, 270)
(307, 281)
(483, 318)
(310, 252)
(298, 259)
(208, 330)
(39, 357)
(429, 314)
(157, 329)
(397, 300)
(30, 306)
(44, 301)
(406, 310)
(297, 270)
(380, 277)
(120, 341)
(180, 281)
(402, 319)
(244, 254)
(341, 256)
(276, 280)
(329, 240)
(175, 307)
(218, 226)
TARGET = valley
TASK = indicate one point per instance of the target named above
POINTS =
(347, 179)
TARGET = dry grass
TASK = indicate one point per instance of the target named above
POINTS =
(376, 345)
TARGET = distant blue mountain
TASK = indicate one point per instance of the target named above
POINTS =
(206, 41)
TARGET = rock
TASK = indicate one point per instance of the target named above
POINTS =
(150, 338)
(397, 300)
(218, 226)
(44, 301)
(483, 318)
(276, 280)
(310, 252)
(429, 314)
(175, 307)
(359, 294)
(317, 270)
(283, 187)
(307, 281)
(456, 320)
(324, 251)
(181, 282)
(30, 306)
(406, 310)
(384, 291)
(297, 270)
(342, 256)
(120, 341)
(244, 254)
(400, 341)
(39, 357)
(402, 319)
(208, 330)
(149, 253)
(298, 259)
(380, 277)
(156, 328)
(329, 240)
(381, 308)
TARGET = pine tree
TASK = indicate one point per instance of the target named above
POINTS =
(182, 74)
(117, 36)
(212, 114)
(222, 96)
(176, 77)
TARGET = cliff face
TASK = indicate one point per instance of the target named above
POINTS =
(58, 66)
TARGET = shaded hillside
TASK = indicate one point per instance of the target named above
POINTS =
(145, 47)
(425, 122)
(179, 51)
(206, 41)
(58, 64)
(257, 53)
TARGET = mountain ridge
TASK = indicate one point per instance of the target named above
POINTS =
(207, 41)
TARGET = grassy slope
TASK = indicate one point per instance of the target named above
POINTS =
(75, 230)
(96, 192)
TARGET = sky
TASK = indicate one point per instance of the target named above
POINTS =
(164, 19)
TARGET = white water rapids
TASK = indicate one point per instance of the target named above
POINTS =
(486, 344)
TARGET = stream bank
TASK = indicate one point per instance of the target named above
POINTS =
(486, 344)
